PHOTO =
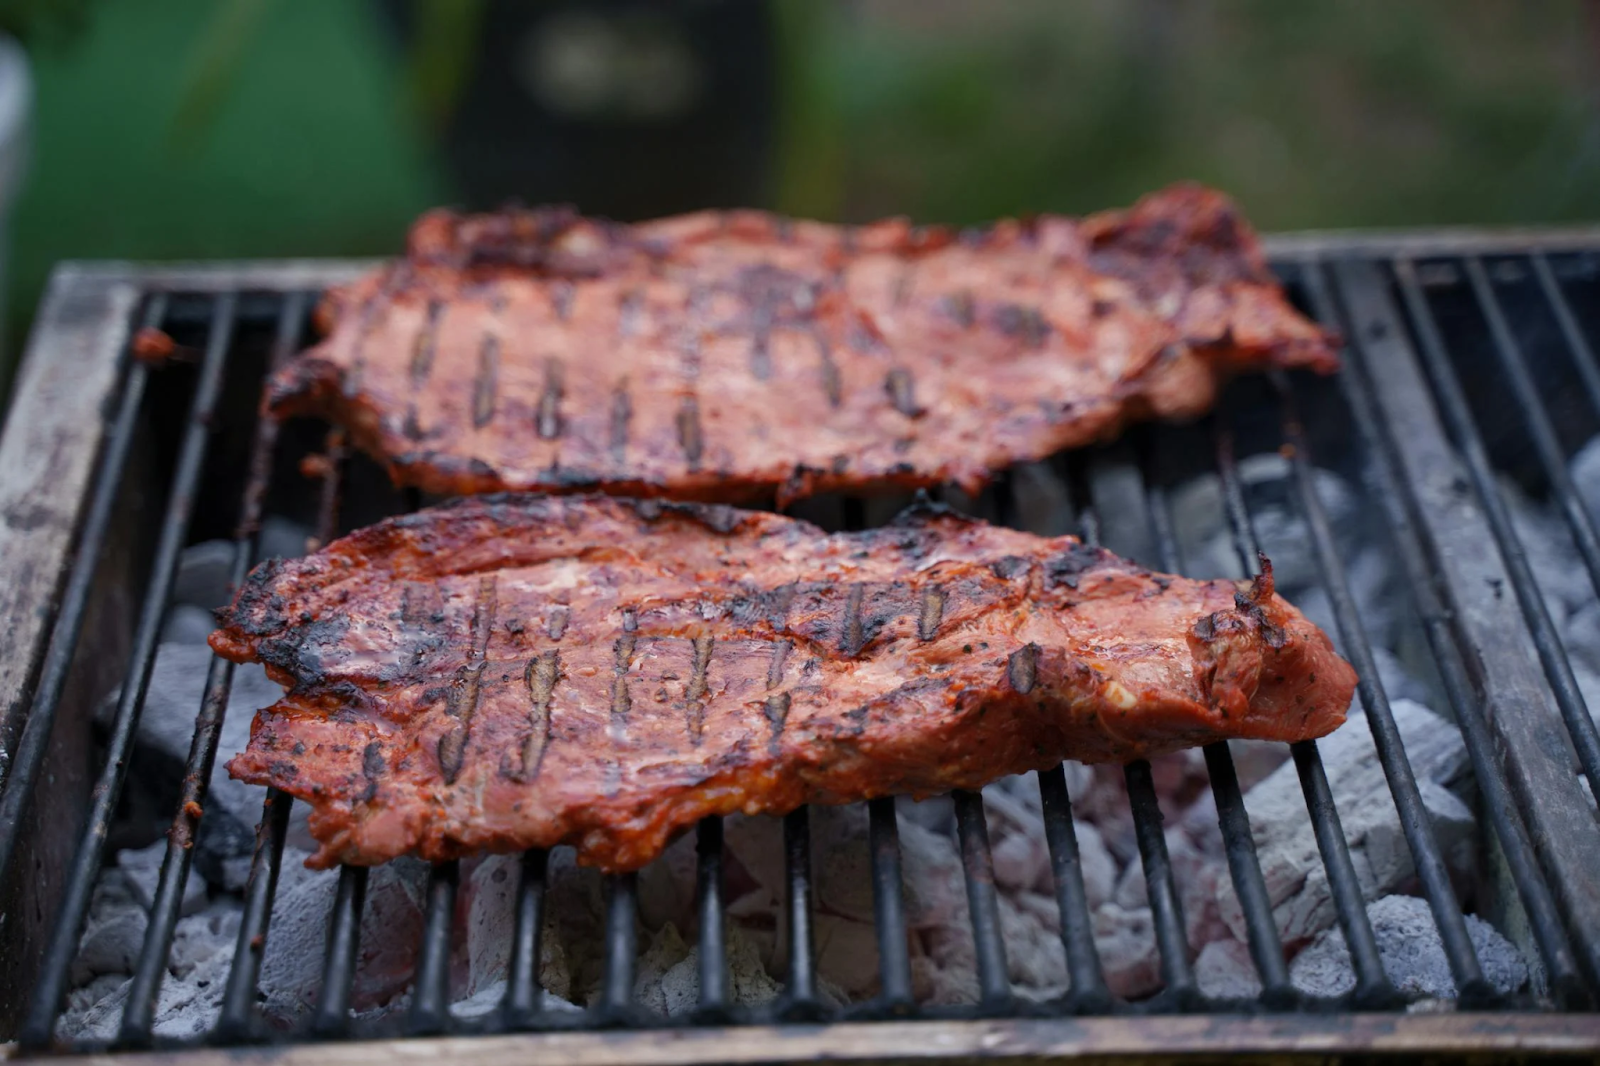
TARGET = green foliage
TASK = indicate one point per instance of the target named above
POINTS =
(442, 55)
(1312, 113)
(240, 128)
(312, 151)
(213, 66)
(43, 21)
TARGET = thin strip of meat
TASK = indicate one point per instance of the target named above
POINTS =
(516, 671)
(738, 356)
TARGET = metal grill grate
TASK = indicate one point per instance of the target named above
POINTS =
(1432, 472)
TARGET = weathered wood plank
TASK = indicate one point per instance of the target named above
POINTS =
(1190, 1039)
(222, 275)
(52, 437)
(48, 453)
(1534, 745)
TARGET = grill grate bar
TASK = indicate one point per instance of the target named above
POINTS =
(51, 987)
(1435, 618)
(524, 994)
(1491, 784)
(1076, 477)
(139, 1015)
(1458, 416)
(894, 958)
(1372, 982)
(238, 999)
(430, 1005)
(1166, 911)
(801, 990)
(983, 904)
(1373, 987)
(1266, 948)
(1585, 735)
(1414, 824)
(1542, 433)
(1571, 332)
(522, 1004)
(1168, 555)
(616, 1002)
(340, 958)
(17, 782)
(341, 954)
(1088, 992)
(151, 967)
(265, 863)
(888, 905)
(713, 933)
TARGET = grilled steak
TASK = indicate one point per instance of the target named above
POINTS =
(516, 671)
(739, 356)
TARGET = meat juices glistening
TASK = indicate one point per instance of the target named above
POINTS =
(518, 671)
(738, 356)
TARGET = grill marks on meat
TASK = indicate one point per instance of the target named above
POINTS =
(516, 671)
(461, 700)
(737, 356)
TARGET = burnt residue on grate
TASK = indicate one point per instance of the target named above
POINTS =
(1238, 877)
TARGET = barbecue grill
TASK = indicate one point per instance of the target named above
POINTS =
(1469, 364)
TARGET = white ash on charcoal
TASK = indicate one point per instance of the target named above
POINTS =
(1206, 540)
(197, 966)
(1197, 877)
(1547, 543)
(187, 624)
(177, 686)
(846, 940)
(114, 931)
(1582, 639)
(939, 938)
(141, 868)
(493, 996)
(1205, 536)
(1412, 953)
(1014, 812)
(1286, 844)
(201, 582)
(204, 568)
(188, 1004)
(667, 978)
(1399, 682)
(1370, 578)
(938, 928)
(1042, 506)
(1179, 779)
(166, 731)
(391, 930)
(1584, 467)
(1225, 970)
(486, 906)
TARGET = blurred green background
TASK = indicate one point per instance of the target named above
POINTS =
(199, 129)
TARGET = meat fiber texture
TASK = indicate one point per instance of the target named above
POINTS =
(519, 671)
(736, 356)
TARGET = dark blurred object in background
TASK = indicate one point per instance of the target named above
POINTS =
(261, 128)
(628, 108)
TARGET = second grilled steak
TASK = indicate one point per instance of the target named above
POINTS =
(513, 672)
(739, 356)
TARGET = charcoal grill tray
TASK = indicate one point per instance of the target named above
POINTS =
(95, 503)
